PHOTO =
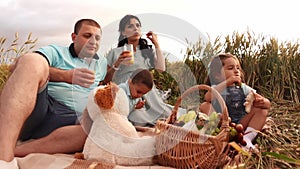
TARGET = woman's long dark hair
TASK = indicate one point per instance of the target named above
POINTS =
(147, 51)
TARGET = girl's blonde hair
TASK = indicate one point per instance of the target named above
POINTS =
(215, 66)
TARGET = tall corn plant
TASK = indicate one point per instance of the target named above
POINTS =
(10, 53)
(270, 66)
(198, 56)
(14, 50)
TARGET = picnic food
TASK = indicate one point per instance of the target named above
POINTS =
(249, 101)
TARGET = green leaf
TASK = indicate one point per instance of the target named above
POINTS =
(282, 157)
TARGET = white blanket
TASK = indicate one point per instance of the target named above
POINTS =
(61, 161)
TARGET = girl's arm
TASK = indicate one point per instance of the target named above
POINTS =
(221, 86)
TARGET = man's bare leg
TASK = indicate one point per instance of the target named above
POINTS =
(67, 139)
(17, 99)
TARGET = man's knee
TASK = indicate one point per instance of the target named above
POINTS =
(34, 64)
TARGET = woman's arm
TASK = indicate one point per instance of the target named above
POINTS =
(114, 67)
(159, 60)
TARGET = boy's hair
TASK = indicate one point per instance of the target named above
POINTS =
(80, 22)
(216, 65)
(143, 76)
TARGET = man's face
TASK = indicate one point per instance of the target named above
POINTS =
(86, 41)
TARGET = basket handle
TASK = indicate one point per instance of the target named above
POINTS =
(225, 120)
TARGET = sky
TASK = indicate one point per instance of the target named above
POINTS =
(173, 20)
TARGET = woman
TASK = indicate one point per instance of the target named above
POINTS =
(145, 57)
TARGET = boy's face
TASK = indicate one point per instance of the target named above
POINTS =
(137, 90)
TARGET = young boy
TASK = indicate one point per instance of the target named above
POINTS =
(140, 83)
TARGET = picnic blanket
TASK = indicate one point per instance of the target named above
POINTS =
(65, 161)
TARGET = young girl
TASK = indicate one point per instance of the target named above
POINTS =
(226, 76)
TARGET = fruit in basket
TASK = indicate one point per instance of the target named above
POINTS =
(236, 133)
(239, 128)
(213, 123)
(233, 132)
(201, 120)
(179, 123)
(187, 117)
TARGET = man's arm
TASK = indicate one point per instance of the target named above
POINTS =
(80, 76)
(60, 75)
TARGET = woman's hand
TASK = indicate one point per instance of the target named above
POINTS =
(153, 37)
(124, 58)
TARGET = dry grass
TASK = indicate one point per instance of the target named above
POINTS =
(279, 143)
(4, 73)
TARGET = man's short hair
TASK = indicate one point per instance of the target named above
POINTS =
(80, 22)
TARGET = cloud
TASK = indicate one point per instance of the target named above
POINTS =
(53, 21)
(50, 21)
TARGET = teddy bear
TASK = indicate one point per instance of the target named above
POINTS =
(112, 138)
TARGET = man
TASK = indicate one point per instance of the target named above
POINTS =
(49, 88)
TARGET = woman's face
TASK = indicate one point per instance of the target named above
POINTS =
(132, 30)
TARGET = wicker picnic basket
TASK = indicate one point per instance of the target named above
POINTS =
(181, 148)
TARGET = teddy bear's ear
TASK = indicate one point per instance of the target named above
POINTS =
(105, 97)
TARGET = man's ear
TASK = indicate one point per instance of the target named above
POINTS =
(73, 36)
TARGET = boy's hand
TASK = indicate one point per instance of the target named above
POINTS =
(140, 104)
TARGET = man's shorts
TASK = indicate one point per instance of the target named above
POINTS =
(48, 115)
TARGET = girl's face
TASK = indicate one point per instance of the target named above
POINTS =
(137, 90)
(132, 30)
(231, 67)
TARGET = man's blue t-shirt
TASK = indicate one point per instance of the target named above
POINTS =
(73, 96)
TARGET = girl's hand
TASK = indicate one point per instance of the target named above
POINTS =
(140, 104)
(261, 102)
(233, 80)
